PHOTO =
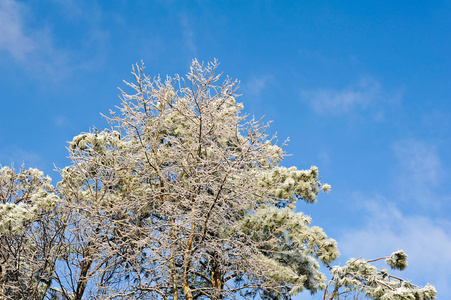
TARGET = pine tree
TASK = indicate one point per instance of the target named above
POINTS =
(184, 197)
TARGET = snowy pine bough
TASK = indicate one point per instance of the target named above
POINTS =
(183, 197)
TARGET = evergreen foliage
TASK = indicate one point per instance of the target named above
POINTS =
(183, 197)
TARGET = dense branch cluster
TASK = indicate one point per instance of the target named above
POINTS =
(359, 275)
(31, 234)
(182, 197)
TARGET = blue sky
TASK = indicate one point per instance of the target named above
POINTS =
(361, 88)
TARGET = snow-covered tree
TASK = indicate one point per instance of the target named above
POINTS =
(31, 234)
(184, 197)
(359, 276)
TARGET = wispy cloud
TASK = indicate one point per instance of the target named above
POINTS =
(438, 123)
(412, 220)
(33, 47)
(255, 85)
(188, 33)
(13, 38)
(360, 96)
(61, 121)
(419, 171)
(30, 46)
(18, 157)
(426, 241)
(79, 10)
(419, 160)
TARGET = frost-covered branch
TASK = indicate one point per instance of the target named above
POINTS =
(358, 275)
(183, 197)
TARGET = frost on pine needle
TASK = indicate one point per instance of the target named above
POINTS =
(326, 188)
(182, 197)
(397, 260)
(197, 185)
(30, 233)
(359, 275)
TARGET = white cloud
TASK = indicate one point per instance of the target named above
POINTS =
(13, 38)
(358, 96)
(419, 160)
(33, 47)
(18, 157)
(324, 159)
(61, 121)
(255, 85)
(88, 12)
(74, 9)
(30, 46)
(437, 120)
(419, 171)
(188, 34)
(426, 241)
